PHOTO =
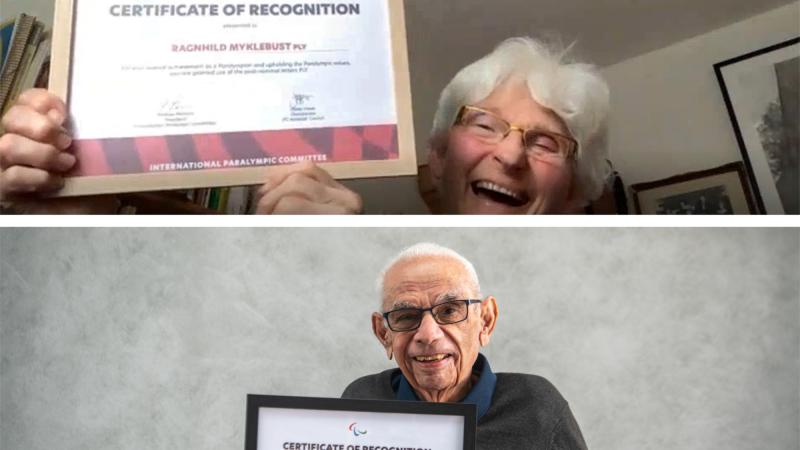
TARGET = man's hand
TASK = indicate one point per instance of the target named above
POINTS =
(304, 188)
(34, 157)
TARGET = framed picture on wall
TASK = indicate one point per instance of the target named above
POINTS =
(723, 190)
(182, 96)
(762, 94)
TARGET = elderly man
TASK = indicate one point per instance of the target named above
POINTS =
(434, 322)
(521, 131)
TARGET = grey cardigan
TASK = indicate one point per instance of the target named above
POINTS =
(527, 412)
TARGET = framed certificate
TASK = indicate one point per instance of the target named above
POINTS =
(171, 95)
(345, 424)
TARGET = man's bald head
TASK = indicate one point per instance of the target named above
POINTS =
(427, 250)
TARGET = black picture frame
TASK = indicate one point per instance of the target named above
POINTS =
(758, 172)
(256, 402)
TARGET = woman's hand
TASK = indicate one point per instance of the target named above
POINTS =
(304, 188)
(34, 157)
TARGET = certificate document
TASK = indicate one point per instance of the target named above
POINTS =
(298, 423)
(176, 95)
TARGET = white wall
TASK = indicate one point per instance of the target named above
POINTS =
(660, 339)
(668, 116)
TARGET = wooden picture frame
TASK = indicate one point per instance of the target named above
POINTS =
(760, 90)
(722, 190)
(394, 141)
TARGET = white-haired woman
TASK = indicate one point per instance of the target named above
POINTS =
(520, 131)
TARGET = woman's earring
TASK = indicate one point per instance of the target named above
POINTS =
(389, 352)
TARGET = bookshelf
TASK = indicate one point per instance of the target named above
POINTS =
(25, 45)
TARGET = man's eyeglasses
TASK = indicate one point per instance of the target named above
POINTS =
(492, 129)
(409, 319)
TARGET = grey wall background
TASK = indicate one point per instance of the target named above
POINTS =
(150, 338)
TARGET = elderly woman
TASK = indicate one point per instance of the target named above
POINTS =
(520, 131)
(433, 322)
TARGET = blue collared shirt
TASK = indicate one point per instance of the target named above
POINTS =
(480, 395)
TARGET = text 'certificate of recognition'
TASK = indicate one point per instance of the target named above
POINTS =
(170, 95)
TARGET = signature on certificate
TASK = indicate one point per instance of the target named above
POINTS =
(174, 112)
(174, 107)
(300, 99)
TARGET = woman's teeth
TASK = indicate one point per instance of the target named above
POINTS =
(489, 186)
(499, 194)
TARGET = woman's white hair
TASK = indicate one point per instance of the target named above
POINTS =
(574, 91)
(428, 249)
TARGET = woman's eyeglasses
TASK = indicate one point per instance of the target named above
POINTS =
(492, 129)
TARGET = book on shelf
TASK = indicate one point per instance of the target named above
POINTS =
(25, 65)
(38, 69)
(23, 29)
(227, 200)
(26, 47)
(234, 200)
(6, 30)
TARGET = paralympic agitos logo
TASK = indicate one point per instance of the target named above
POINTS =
(355, 430)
